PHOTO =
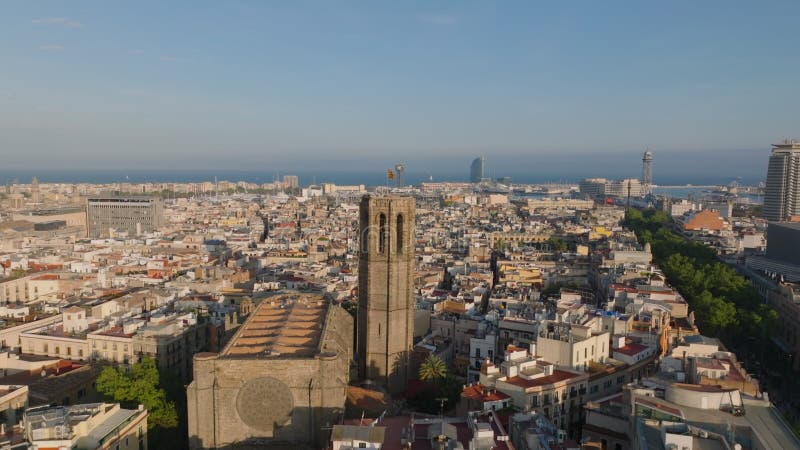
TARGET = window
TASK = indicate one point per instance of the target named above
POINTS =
(382, 233)
(585, 352)
(399, 231)
(80, 353)
(477, 353)
(593, 350)
(45, 348)
(362, 445)
(69, 351)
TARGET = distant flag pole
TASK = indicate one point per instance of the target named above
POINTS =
(389, 176)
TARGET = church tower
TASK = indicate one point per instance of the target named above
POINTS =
(385, 327)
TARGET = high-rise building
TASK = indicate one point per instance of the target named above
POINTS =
(35, 197)
(782, 192)
(385, 328)
(291, 181)
(476, 169)
(132, 215)
(647, 171)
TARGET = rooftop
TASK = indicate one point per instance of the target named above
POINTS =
(288, 325)
(480, 392)
(557, 376)
(630, 349)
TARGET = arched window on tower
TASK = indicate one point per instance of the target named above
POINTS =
(399, 230)
(382, 233)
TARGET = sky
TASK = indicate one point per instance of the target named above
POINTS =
(340, 85)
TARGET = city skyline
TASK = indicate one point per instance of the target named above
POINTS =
(92, 85)
(742, 166)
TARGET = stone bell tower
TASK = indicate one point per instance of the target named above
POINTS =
(385, 324)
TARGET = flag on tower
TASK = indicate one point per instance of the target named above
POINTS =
(390, 174)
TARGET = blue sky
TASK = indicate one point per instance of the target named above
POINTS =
(97, 84)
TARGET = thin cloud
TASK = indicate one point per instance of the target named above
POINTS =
(51, 48)
(168, 58)
(437, 19)
(136, 52)
(62, 21)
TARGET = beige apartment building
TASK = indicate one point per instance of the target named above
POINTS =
(535, 384)
(13, 401)
(36, 286)
(171, 341)
(571, 345)
(93, 426)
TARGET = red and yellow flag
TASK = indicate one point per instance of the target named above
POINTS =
(390, 174)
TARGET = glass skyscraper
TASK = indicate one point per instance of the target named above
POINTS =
(476, 170)
(782, 192)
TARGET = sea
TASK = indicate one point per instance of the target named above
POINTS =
(680, 185)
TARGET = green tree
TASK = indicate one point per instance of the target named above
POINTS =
(140, 385)
(724, 302)
(432, 369)
(557, 244)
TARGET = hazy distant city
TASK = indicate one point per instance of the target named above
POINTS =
(399, 226)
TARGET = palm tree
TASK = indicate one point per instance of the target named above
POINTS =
(432, 369)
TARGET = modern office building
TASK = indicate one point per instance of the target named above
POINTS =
(782, 193)
(476, 169)
(386, 290)
(598, 187)
(132, 215)
(782, 261)
(593, 187)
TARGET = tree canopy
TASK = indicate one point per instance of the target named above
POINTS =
(724, 302)
(140, 385)
(432, 369)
